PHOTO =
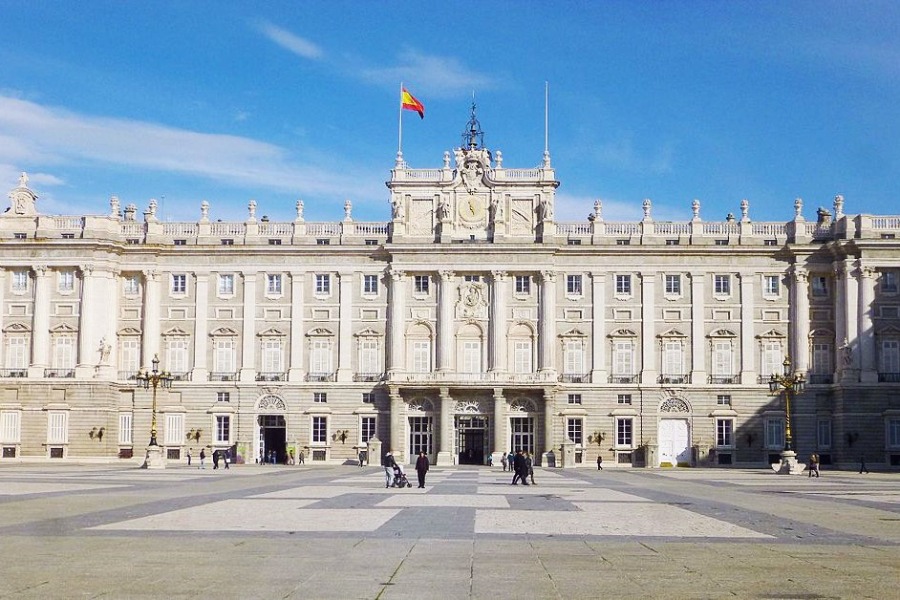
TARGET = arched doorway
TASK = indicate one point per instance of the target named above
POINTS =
(674, 432)
(271, 439)
(471, 425)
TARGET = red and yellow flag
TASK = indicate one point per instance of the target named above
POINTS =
(409, 102)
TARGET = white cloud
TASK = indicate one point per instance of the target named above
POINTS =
(622, 154)
(289, 41)
(441, 76)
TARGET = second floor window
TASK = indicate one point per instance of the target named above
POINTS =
(66, 281)
(179, 283)
(323, 284)
(273, 284)
(420, 283)
(20, 281)
(889, 359)
(573, 358)
(573, 285)
(523, 285)
(421, 356)
(226, 284)
(673, 285)
(370, 284)
(722, 285)
(623, 285)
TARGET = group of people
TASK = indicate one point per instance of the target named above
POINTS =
(217, 455)
(394, 470)
(271, 457)
(522, 464)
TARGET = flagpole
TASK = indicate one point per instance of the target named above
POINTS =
(400, 124)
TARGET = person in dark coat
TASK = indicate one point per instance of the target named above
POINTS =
(388, 463)
(215, 459)
(521, 469)
(422, 468)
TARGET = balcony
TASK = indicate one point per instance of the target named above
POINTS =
(889, 377)
(127, 375)
(722, 379)
(368, 376)
(13, 372)
(272, 376)
(671, 378)
(59, 373)
(320, 376)
(573, 378)
(180, 375)
(623, 378)
(223, 376)
(820, 378)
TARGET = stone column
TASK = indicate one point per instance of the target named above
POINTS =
(445, 322)
(398, 427)
(800, 319)
(248, 333)
(599, 372)
(295, 368)
(850, 318)
(151, 324)
(547, 340)
(550, 442)
(345, 328)
(497, 334)
(748, 372)
(200, 372)
(40, 354)
(3, 288)
(649, 371)
(88, 338)
(501, 437)
(698, 328)
(397, 320)
(107, 317)
(868, 370)
(445, 453)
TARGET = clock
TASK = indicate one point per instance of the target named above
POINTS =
(471, 208)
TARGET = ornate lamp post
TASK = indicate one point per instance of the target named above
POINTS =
(154, 379)
(791, 383)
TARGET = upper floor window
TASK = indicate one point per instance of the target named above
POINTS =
(575, 430)
(223, 396)
(723, 400)
(226, 284)
(573, 285)
(371, 242)
(20, 236)
(623, 242)
(180, 242)
(889, 282)
(673, 285)
(722, 285)
(131, 286)
(623, 398)
(420, 284)
(323, 242)
(574, 398)
(370, 284)
(623, 285)
(320, 397)
(323, 284)
(471, 278)
(20, 281)
(273, 284)
(66, 281)
(227, 242)
(368, 398)
(725, 432)
(819, 286)
(179, 283)
(523, 285)
(771, 285)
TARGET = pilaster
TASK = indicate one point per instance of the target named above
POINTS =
(698, 328)
(497, 334)
(800, 320)
(248, 340)
(152, 298)
(345, 328)
(445, 455)
(295, 369)
(397, 310)
(748, 372)
(649, 371)
(868, 372)
(445, 321)
(398, 428)
(200, 372)
(41, 323)
(548, 325)
(500, 425)
(87, 325)
(599, 373)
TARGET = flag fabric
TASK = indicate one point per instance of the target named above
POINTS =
(409, 102)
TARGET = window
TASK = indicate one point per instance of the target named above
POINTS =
(224, 356)
(179, 283)
(573, 285)
(64, 352)
(20, 236)
(421, 356)
(319, 430)
(672, 242)
(66, 281)
(366, 429)
(274, 242)
(775, 433)
(522, 356)
(320, 357)
(893, 427)
(368, 398)
(370, 284)
(819, 286)
(131, 286)
(20, 281)
(623, 242)
(126, 429)
(623, 399)
(823, 434)
(223, 396)
(722, 285)
(623, 285)
(10, 426)
(889, 357)
(177, 356)
(721, 242)
(673, 359)
(889, 282)
(723, 360)
(57, 427)
(723, 400)
(371, 242)
(223, 429)
(420, 284)
(772, 358)
(17, 352)
(573, 242)
(226, 284)
(471, 278)
(523, 285)
(771, 285)
(271, 356)
(624, 432)
(623, 358)
(471, 356)
(323, 242)
(574, 398)
(174, 429)
(323, 284)
(770, 242)
(673, 285)
(180, 242)
(725, 433)
(228, 242)
(320, 397)
(273, 284)
(821, 359)
(68, 236)
(573, 357)
(368, 356)
(575, 430)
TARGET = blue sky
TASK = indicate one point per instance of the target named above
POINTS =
(275, 101)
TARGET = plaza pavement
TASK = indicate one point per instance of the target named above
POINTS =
(109, 531)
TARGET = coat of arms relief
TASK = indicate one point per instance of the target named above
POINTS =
(472, 302)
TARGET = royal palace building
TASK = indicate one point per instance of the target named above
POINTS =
(471, 324)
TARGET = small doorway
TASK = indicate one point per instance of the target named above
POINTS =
(272, 439)
(471, 439)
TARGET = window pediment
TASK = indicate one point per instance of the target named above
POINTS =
(672, 333)
(319, 332)
(623, 333)
(368, 333)
(771, 334)
(128, 332)
(270, 332)
(17, 328)
(175, 332)
(223, 332)
(63, 328)
(574, 332)
(722, 333)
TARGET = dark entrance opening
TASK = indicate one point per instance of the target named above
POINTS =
(471, 440)
(272, 437)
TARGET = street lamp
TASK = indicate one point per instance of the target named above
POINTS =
(791, 383)
(154, 379)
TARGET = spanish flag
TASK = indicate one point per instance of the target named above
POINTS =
(408, 102)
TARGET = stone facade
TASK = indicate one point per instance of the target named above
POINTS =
(471, 324)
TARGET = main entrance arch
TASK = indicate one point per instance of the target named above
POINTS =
(271, 439)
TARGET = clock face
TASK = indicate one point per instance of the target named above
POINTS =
(471, 208)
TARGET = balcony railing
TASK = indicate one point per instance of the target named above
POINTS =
(180, 375)
(320, 377)
(368, 376)
(127, 375)
(13, 373)
(722, 379)
(820, 378)
(59, 373)
(623, 378)
(223, 376)
(573, 378)
(889, 377)
(675, 378)
(270, 376)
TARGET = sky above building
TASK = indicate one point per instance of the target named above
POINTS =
(280, 101)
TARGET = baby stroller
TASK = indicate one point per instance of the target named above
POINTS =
(400, 479)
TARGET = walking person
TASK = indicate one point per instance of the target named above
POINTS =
(362, 458)
(813, 465)
(862, 464)
(202, 458)
(529, 466)
(388, 463)
(227, 458)
(510, 459)
(215, 459)
(422, 468)
(521, 470)
(302, 457)
(190, 450)
(503, 461)
(599, 463)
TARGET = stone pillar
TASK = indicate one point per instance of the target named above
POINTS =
(649, 371)
(40, 350)
(599, 372)
(868, 371)
(500, 424)
(295, 368)
(398, 427)
(551, 447)
(3, 284)
(547, 340)
(698, 328)
(850, 320)
(248, 335)
(748, 372)
(397, 320)
(445, 445)
(345, 328)
(445, 322)
(800, 319)
(200, 372)
(151, 324)
(88, 335)
(497, 332)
